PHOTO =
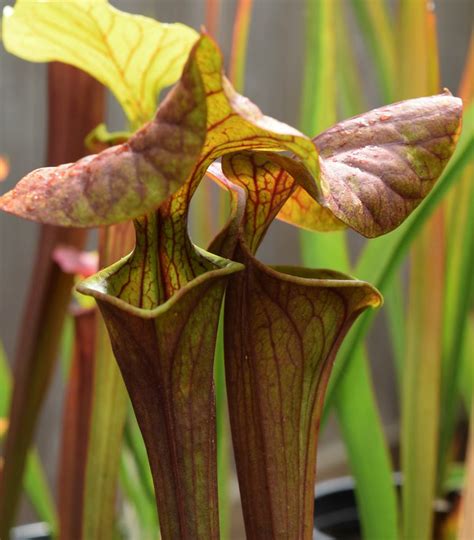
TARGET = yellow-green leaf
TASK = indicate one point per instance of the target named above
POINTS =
(134, 56)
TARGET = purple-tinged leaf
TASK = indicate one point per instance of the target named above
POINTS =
(377, 167)
(124, 181)
(201, 119)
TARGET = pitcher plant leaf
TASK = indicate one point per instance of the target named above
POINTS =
(376, 168)
(201, 119)
(282, 329)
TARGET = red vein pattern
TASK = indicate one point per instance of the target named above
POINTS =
(124, 181)
(201, 119)
(282, 331)
(376, 168)
(167, 365)
(161, 306)
(161, 303)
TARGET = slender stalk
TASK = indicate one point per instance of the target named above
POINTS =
(421, 378)
(395, 304)
(238, 53)
(76, 423)
(75, 106)
(109, 410)
(375, 492)
(318, 110)
(34, 482)
(459, 286)
(212, 17)
(377, 30)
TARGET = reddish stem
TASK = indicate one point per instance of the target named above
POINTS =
(76, 105)
(76, 421)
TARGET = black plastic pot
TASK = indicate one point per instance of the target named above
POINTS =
(335, 510)
(32, 531)
(336, 516)
(335, 513)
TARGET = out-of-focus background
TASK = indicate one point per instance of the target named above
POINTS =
(273, 81)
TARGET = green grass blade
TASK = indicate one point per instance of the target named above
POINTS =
(134, 440)
(38, 490)
(5, 383)
(459, 284)
(105, 440)
(318, 110)
(395, 309)
(240, 36)
(466, 371)
(34, 481)
(367, 452)
(136, 495)
(66, 346)
(351, 97)
(330, 251)
(377, 30)
(223, 439)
